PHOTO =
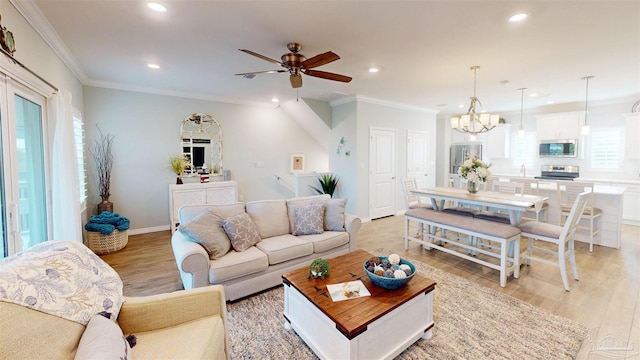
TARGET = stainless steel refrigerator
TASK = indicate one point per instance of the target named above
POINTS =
(459, 153)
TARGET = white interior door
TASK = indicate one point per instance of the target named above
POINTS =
(382, 183)
(418, 157)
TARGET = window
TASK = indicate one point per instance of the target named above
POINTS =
(606, 148)
(524, 150)
(78, 132)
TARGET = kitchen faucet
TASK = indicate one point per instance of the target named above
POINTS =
(523, 171)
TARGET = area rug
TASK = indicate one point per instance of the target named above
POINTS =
(471, 322)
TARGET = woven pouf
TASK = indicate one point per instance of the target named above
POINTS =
(107, 244)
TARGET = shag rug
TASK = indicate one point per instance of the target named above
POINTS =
(471, 322)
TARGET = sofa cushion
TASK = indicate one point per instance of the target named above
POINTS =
(309, 220)
(334, 210)
(206, 229)
(236, 264)
(270, 216)
(301, 201)
(285, 247)
(199, 339)
(102, 339)
(241, 230)
(189, 212)
(327, 240)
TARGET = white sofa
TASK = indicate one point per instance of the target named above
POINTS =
(262, 265)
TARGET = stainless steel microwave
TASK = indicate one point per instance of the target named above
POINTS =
(558, 148)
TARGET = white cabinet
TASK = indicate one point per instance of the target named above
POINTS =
(214, 193)
(630, 203)
(559, 126)
(632, 132)
(498, 142)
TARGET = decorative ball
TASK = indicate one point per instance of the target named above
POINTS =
(395, 267)
(374, 261)
(378, 271)
(388, 274)
(394, 259)
(399, 274)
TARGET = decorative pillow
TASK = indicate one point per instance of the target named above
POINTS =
(309, 220)
(242, 232)
(206, 230)
(334, 210)
(102, 339)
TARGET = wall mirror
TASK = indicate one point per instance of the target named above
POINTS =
(201, 140)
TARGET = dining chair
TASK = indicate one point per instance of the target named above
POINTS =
(591, 214)
(561, 236)
(413, 201)
(532, 187)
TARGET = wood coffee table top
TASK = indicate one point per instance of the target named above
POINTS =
(354, 315)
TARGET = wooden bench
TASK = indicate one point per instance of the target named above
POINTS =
(507, 236)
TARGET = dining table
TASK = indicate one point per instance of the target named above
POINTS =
(514, 204)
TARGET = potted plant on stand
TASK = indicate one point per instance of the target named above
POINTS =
(101, 151)
(178, 164)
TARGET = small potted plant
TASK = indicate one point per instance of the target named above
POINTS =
(178, 164)
(328, 184)
(319, 268)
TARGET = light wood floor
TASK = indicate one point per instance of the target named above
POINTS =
(606, 299)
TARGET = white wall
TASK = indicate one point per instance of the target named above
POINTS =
(146, 128)
(354, 120)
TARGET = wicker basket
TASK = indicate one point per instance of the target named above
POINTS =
(107, 244)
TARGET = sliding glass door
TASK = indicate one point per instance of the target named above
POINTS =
(23, 182)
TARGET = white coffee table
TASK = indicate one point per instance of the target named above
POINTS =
(379, 326)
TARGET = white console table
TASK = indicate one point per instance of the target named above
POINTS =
(217, 192)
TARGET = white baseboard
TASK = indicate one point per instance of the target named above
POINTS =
(149, 230)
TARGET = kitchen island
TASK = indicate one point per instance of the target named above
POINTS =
(608, 198)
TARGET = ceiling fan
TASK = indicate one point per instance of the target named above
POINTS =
(296, 64)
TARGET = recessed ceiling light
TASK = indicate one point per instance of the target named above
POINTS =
(374, 70)
(156, 7)
(275, 100)
(551, 102)
(533, 95)
(460, 106)
(518, 17)
(153, 66)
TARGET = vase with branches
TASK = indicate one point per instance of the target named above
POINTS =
(103, 157)
(328, 184)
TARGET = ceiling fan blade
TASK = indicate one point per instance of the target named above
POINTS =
(296, 80)
(320, 60)
(262, 57)
(262, 72)
(328, 75)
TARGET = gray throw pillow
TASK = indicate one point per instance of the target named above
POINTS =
(334, 210)
(206, 230)
(242, 232)
(309, 220)
(102, 339)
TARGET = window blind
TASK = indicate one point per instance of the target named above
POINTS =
(606, 148)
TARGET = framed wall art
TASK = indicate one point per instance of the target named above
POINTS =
(296, 163)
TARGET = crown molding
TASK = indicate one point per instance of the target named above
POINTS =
(30, 11)
(371, 100)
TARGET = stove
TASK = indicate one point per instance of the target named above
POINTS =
(558, 172)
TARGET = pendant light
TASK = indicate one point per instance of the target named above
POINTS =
(474, 122)
(521, 129)
(585, 127)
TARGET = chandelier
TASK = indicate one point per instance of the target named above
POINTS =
(472, 122)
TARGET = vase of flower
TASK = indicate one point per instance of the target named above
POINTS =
(178, 164)
(472, 187)
(474, 171)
